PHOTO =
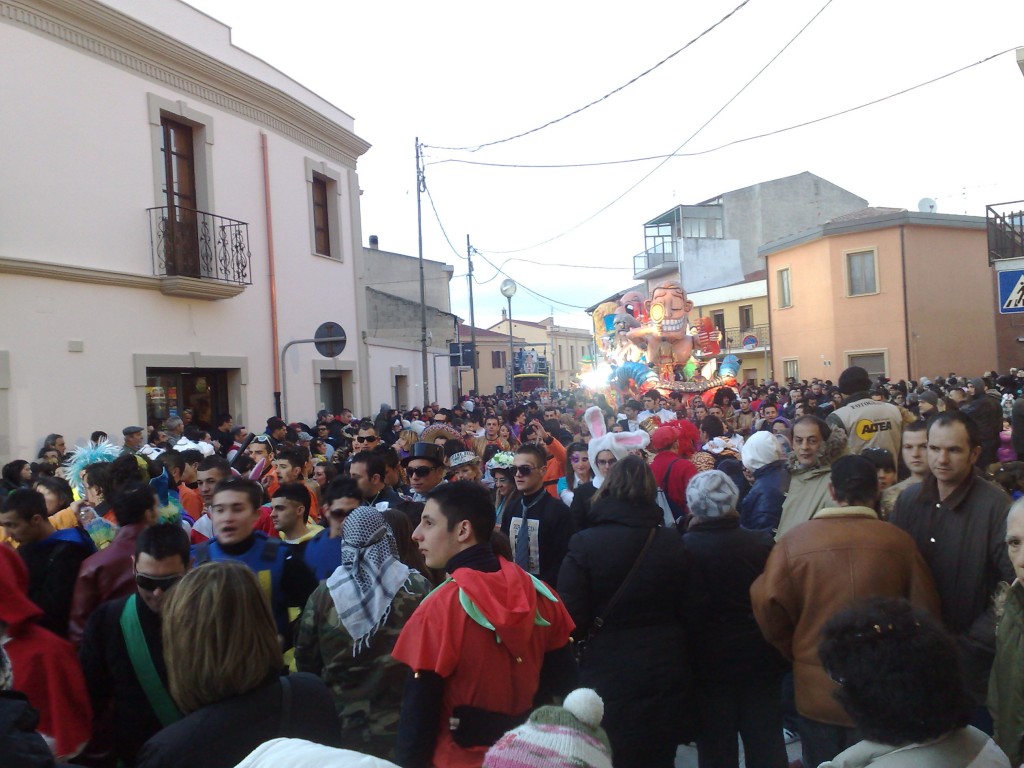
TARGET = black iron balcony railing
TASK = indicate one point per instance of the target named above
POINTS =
(737, 339)
(1005, 230)
(187, 243)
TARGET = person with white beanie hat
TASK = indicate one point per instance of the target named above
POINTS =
(762, 457)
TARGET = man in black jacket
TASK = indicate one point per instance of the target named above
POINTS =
(122, 641)
(539, 526)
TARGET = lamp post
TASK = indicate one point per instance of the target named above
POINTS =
(508, 290)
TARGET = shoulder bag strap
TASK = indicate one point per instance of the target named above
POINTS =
(142, 662)
(600, 620)
(664, 480)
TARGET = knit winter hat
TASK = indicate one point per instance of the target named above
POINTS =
(759, 450)
(711, 494)
(854, 379)
(569, 736)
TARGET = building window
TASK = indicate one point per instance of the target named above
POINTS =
(872, 362)
(746, 317)
(498, 359)
(321, 216)
(861, 277)
(785, 294)
(326, 195)
(718, 318)
(791, 369)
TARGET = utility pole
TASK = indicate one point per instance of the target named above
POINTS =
(421, 186)
(472, 315)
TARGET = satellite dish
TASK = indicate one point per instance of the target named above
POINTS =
(927, 205)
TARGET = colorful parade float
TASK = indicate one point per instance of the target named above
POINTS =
(652, 344)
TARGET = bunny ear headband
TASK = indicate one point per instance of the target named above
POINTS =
(594, 419)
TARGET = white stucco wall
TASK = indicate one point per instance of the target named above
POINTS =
(77, 177)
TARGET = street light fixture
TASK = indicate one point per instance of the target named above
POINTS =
(508, 290)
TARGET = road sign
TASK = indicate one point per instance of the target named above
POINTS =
(1011, 291)
(332, 331)
(750, 342)
(461, 354)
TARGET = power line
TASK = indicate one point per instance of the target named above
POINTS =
(595, 101)
(433, 207)
(527, 288)
(687, 141)
(804, 124)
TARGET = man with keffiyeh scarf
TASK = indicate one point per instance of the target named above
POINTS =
(350, 625)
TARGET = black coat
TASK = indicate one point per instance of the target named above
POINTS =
(582, 497)
(728, 645)
(556, 528)
(222, 734)
(640, 661)
(20, 745)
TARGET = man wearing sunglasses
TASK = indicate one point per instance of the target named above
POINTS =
(122, 643)
(322, 553)
(425, 467)
(538, 525)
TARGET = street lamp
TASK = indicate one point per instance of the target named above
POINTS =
(508, 290)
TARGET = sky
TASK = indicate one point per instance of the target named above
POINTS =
(460, 74)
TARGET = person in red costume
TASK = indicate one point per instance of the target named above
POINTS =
(44, 666)
(485, 648)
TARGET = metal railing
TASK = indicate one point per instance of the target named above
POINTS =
(759, 332)
(658, 256)
(187, 243)
(1005, 230)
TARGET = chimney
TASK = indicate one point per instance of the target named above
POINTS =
(504, 314)
(373, 242)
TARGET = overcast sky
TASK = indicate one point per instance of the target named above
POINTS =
(465, 73)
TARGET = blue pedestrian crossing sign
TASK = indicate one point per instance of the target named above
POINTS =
(1011, 291)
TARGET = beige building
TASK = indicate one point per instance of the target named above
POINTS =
(564, 347)
(491, 359)
(740, 312)
(899, 293)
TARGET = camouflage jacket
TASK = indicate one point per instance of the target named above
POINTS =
(367, 688)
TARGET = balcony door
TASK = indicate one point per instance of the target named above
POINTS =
(179, 189)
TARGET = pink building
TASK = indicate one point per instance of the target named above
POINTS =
(899, 293)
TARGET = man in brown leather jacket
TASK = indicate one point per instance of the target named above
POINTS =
(842, 554)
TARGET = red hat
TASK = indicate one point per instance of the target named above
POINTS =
(663, 438)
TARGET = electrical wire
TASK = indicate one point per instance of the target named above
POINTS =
(646, 72)
(692, 136)
(804, 124)
(447, 239)
(526, 288)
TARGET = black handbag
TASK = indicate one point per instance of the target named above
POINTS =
(580, 646)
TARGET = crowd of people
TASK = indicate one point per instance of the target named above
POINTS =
(538, 580)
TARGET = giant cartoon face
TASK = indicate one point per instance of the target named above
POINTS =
(669, 307)
(634, 304)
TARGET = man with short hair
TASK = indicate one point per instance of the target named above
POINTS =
(276, 430)
(369, 470)
(182, 468)
(958, 520)
(842, 554)
(632, 410)
(538, 525)
(108, 573)
(915, 458)
(222, 435)
(285, 579)
(238, 435)
(488, 645)
(744, 418)
(322, 553)
(289, 509)
(211, 470)
(52, 557)
(122, 643)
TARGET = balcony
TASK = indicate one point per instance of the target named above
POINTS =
(199, 255)
(657, 261)
(1005, 231)
(762, 341)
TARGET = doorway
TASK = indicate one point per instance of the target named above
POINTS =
(169, 391)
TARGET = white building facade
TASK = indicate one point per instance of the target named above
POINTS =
(173, 212)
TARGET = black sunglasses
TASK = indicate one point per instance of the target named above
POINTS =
(339, 514)
(367, 438)
(420, 471)
(153, 583)
(523, 470)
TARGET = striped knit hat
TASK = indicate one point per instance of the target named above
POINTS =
(569, 736)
